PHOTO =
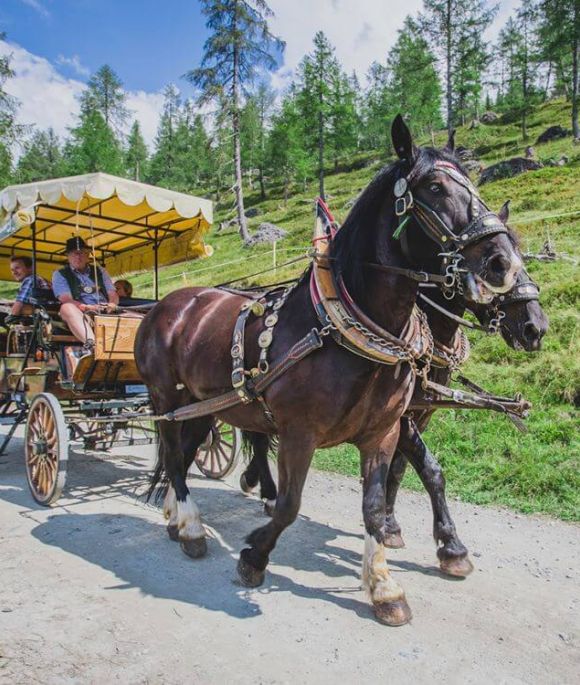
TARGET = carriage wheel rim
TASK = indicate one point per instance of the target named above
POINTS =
(218, 456)
(46, 449)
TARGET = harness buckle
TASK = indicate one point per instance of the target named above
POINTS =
(238, 378)
(400, 206)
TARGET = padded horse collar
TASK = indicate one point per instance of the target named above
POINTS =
(353, 330)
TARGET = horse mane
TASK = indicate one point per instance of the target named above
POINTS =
(355, 242)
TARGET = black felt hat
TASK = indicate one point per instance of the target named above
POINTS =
(75, 243)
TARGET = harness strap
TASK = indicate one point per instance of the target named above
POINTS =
(309, 343)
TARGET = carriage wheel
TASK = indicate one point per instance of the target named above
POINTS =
(218, 455)
(46, 449)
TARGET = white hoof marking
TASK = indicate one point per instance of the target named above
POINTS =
(170, 507)
(189, 520)
(376, 577)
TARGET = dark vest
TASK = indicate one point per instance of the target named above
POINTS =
(75, 286)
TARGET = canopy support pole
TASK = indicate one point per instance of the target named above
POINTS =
(33, 229)
(156, 268)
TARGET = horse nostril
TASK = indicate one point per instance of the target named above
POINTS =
(532, 332)
(499, 265)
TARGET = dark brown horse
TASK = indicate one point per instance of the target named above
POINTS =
(183, 351)
(522, 323)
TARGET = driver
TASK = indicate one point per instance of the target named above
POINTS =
(74, 286)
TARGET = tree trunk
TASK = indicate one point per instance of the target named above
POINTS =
(320, 151)
(262, 186)
(448, 59)
(575, 60)
(242, 223)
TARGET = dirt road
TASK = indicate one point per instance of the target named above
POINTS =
(93, 591)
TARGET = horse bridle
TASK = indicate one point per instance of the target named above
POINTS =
(526, 290)
(408, 207)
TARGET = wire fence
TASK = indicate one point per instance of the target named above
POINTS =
(275, 252)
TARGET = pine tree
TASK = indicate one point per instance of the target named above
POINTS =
(343, 117)
(106, 95)
(136, 154)
(92, 145)
(559, 31)
(240, 41)
(318, 73)
(42, 158)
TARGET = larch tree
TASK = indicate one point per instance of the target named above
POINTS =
(559, 30)
(136, 153)
(92, 145)
(318, 72)
(240, 41)
(42, 158)
(9, 130)
(105, 94)
(415, 85)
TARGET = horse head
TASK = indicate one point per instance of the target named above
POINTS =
(444, 223)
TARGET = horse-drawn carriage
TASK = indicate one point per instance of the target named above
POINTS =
(96, 401)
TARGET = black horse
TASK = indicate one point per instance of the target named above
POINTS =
(183, 352)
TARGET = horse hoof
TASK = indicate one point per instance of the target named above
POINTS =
(393, 614)
(173, 532)
(458, 567)
(394, 541)
(244, 485)
(250, 576)
(269, 506)
(195, 548)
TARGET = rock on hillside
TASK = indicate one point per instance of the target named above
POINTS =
(508, 168)
(266, 233)
(552, 133)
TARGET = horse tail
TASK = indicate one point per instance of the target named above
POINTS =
(248, 438)
(158, 481)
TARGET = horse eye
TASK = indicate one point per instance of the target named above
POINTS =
(435, 188)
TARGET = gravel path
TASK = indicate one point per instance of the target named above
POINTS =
(93, 591)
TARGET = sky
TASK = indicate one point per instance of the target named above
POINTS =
(56, 45)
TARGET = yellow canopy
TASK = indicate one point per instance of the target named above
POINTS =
(123, 220)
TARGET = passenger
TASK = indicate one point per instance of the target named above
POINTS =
(21, 268)
(124, 289)
(74, 286)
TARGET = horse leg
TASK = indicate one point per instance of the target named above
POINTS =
(193, 433)
(452, 553)
(386, 594)
(294, 457)
(190, 531)
(258, 470)
(393, 537)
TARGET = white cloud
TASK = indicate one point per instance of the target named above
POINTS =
(48, 99)
(37, 6)
(74, 63)
(362, 31)
(146, 108)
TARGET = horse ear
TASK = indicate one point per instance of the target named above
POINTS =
(504, 212)
(450, 145)
(402, 139)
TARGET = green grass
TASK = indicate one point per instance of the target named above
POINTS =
(486, 460)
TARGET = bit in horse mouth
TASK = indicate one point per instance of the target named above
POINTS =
(477, 289)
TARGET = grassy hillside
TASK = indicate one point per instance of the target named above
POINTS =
(485, 459)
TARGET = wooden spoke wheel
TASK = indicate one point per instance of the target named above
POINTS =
(218, 455)
(46, 448)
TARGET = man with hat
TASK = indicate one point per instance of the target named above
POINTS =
(74, 286)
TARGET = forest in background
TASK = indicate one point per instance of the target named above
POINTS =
(239, 134)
